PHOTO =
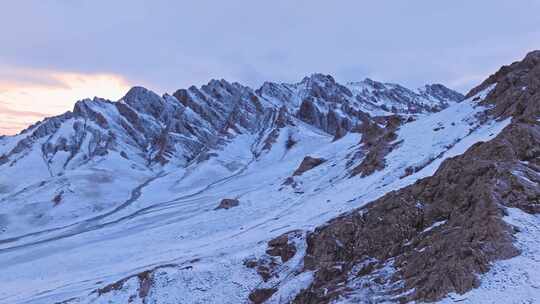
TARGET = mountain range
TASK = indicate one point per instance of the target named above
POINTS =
(311, 192)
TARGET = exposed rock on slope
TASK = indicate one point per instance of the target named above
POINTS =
(307, 164)
(281, 247)
(437, 235)
(228, 203)
(259, 296)
(516, 88)
(377, 142)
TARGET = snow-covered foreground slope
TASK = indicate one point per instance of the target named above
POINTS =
(167, 219)
(516, 280)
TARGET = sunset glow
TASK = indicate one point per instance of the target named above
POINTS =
(25, 102)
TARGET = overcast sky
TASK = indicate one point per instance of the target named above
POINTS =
(103, 47)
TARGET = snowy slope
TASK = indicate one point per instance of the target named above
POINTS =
(120, 217)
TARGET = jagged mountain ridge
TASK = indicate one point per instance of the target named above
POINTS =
(146, 134)
(149, 227)
(191, 121)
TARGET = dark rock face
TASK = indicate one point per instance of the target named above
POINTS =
(377, 141)
(259, 296)
(518, 74)
(146, 101)
(330, 121)
(57, 199)
(223, 105)
(228, 203)
(145, 281)
(307, 164)
(441, 232)
(276, 264)
(442, 93)
(517, 90)
(281, 247)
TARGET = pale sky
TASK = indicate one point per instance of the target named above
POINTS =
(53, 53)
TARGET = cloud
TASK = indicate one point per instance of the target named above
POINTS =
(12, 124)
(25, 76)
(166, 45)
(24, 102)
(15, 113)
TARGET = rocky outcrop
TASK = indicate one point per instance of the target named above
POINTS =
(139, 285)
(144, 280)
(279, 262)
(259, 296)
(439, 92)
(329, 121)
(57, 199)
(516, 89)
(228, 203)
(282, 248)
(376, 142)
(438, 234)
(307, 164)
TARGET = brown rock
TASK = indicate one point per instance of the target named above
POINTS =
(377, 141)
(259, 296)
(227, 203)
(281, 247)
(57, 199)
(145, 284)
(307, 164)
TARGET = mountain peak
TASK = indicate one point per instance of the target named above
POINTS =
(138, 94)
(143, 100)
(515, 74)
(319, 78)
(372, 83)
(533, 56)
(441, 92)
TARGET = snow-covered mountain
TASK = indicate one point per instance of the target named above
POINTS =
(313, 192)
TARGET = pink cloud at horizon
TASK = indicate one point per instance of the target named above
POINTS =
(25, 100)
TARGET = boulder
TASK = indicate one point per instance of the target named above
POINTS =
(227, 203)
(307, 164)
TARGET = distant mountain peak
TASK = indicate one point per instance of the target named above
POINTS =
(319, 78)
(194, 119)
